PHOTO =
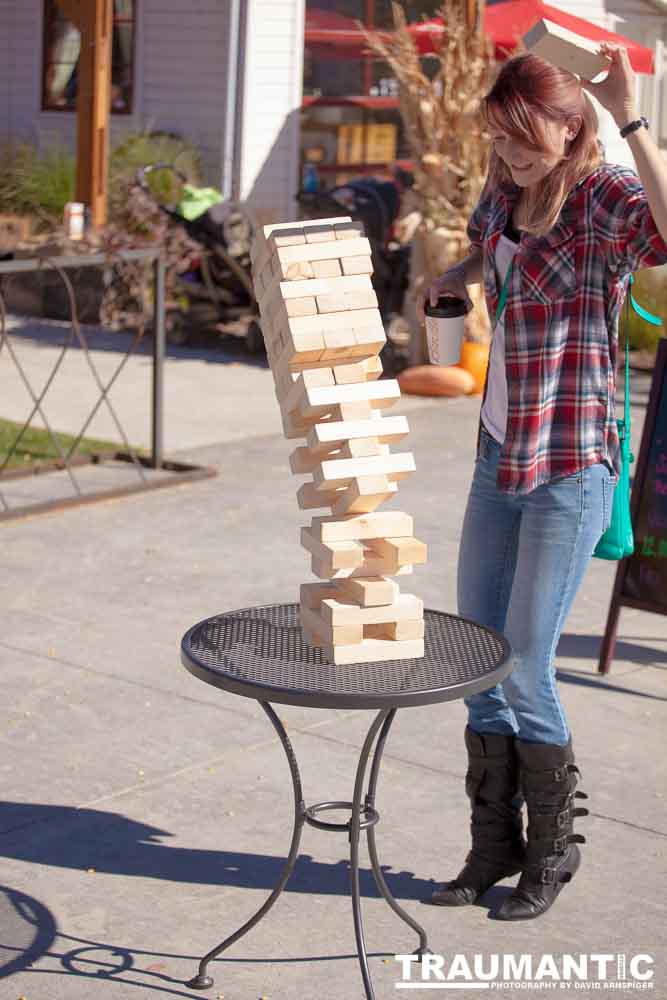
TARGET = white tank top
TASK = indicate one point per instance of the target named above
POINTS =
(494, 410)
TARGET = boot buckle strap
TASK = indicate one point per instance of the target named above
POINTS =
(560, 843)
(560, 773)
(548, 876)
(562, 818)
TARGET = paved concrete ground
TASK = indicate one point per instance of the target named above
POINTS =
(146, 814)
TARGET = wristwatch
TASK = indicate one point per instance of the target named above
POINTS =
(633, 126)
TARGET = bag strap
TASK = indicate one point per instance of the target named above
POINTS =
(503, 294)
(650, 318)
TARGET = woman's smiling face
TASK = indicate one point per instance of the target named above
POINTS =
(529, 166)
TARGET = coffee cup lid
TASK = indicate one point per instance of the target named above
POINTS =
(446, 307)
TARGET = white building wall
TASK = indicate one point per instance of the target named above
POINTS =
(180, 76)
(272, 78)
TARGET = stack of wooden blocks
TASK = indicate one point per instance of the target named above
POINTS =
(323, 334)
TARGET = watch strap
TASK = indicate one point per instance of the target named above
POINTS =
(633, 126)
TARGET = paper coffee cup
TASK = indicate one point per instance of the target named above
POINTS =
(444, 329)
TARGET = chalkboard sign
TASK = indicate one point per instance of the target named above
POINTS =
(641, 579)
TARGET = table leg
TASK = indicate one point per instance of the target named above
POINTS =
(355, 829)
(201, 981)
(372, 849)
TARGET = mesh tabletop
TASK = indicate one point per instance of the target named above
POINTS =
(261, 653)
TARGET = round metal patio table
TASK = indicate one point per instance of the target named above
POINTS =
(260, 653)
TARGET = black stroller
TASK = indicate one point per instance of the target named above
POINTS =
(218, 289)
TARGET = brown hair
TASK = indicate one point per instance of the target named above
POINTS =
(527, 93)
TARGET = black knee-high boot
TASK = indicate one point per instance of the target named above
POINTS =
(498, 846)
(548, 779)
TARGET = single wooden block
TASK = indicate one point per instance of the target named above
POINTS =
(399, 551)
(331, 474)
(372, 565)
(306, 306)
(322, 286)
(396, 630)
(313, 640)
(349, 230)
(362, 495)
(290, 386)
(370, 337)
(330, 269)
(357, 371)
(320, 233)
(302, 461)
(356, 265)
(379, 394)
(366, 591)
(339, 555)
(308, 498)
(386, 430)
(311, 595)
(392, 523)
(352, 412)
(297, 271)
(337, 635)
(361, 448)
(349, 300)
(331, 250)
(339, 344)
(566, 49)
(360, 319)
(337, 612)
(372, 650)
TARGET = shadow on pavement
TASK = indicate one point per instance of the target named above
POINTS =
(27, 931)
(96, 841)
(203, 345)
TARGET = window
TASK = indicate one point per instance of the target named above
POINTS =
(350, 116)
(61, 58)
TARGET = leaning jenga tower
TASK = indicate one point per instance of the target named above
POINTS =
(323, 334)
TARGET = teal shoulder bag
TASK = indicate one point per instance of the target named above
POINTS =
(618, 542)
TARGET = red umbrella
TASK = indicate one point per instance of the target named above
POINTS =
(326, 27)
(507, 23)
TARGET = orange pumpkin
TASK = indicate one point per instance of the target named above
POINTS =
(436, 380)
(474, 360)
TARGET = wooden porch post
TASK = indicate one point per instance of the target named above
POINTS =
(94, 19)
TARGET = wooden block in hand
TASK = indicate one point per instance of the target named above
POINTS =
(337, 612)
(399, 551)
(566, 49)
(391, 523)
(366, 592)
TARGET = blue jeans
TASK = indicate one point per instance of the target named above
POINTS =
(521, 561)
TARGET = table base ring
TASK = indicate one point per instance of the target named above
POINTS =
(371, 815)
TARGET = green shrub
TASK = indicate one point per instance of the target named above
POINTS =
(41, 182)
(37, 182)
(650, 292)
(140, 149)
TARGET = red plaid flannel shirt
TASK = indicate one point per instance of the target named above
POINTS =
(561, 322)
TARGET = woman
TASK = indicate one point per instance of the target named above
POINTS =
(573, 228)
